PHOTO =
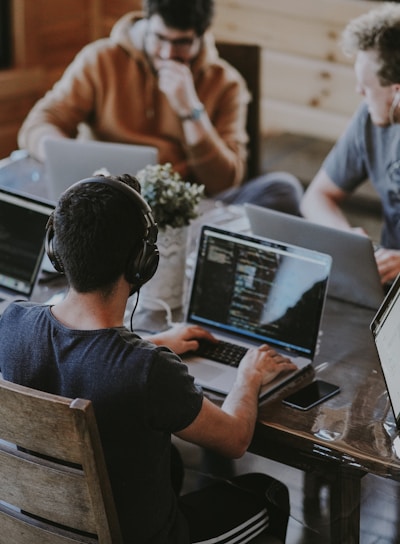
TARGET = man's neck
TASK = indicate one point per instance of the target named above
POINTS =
(92, 311)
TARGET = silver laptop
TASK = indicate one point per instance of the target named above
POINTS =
(354, 276)
(69, 160)
(248, 291)
(385, 329)
(22, 231)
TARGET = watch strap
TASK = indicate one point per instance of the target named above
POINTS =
(194, 115)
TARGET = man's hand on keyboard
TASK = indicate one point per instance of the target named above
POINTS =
(264, 362)
(182, 338)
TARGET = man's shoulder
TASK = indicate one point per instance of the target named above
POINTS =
(23, 307)
(359, 125)
(363, 127)
(98, 47)
(103, 54)
(212, 60)
(21, 315)
(231, 74)
(362, 113)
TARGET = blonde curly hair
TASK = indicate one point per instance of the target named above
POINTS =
(377, 30)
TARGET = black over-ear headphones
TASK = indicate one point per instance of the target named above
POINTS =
(144, 261)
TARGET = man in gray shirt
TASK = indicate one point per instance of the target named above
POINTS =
(370, 146)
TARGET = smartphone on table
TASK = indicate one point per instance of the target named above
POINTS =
(312, 394)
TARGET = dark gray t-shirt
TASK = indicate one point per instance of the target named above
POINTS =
(368, 151)
(141, 394)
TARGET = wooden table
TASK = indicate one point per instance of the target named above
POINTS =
(341, 440)
(349, 435)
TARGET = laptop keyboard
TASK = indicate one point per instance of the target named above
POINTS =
(223, 352)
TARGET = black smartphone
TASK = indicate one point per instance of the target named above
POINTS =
(312, 394)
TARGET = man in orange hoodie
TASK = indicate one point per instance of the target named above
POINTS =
(158, 80)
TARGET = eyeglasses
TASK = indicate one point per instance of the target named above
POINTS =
(180, 45)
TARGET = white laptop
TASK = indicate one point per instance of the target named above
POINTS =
(249, 291)
(354, 276)
(385, 328)
(22, 232)
(70, 160)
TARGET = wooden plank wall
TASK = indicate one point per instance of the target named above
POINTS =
(47, 35)
(307, 84)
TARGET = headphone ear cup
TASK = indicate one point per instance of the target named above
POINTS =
(143, 265)
(49, 244)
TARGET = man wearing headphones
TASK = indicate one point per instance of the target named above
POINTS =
(370, 146)
(158, 80)
(103, 237)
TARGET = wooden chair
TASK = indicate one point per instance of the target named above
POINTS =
(54, 486)
(65, 486)
(246, 58)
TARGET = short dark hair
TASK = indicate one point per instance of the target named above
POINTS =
(182, 14)
(98, 230)
(377, 30)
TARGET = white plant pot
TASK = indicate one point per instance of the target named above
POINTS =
(167, 286)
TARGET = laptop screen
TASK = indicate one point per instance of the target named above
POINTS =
(22, 231)
(385, 329)
(259, 289)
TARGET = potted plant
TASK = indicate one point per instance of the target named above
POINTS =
(174, 203)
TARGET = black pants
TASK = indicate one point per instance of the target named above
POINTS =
(233, 510)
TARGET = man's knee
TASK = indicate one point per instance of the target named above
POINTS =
(278, 191)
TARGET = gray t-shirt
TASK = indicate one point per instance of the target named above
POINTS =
(141, 394)
(369, 151)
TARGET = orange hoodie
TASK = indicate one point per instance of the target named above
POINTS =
(111, 88)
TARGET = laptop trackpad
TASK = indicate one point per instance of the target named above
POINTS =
(205, 372)
(212, 375)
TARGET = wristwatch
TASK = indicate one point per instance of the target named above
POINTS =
(194, 115)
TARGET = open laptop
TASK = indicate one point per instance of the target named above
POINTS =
(22, 232)
(249, 291)
(385, 328)
(70, 160)
(354, 276)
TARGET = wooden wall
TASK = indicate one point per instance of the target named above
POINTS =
(47, 35)
(307, 84)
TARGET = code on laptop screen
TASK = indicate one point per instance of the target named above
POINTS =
(259, 289)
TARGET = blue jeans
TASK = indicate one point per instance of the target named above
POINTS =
(277, 190)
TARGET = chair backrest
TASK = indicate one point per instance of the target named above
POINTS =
(246, 58)
(54, 485)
